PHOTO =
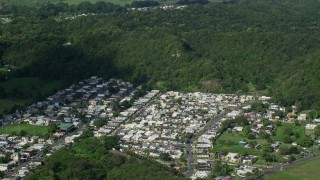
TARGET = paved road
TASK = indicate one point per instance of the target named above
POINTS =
(189, 147)
(287, 165)
(208, 125)
(137, 113)
(190, 159)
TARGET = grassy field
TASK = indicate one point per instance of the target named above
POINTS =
(280, 135)
(230, 141)
(305, 171)
(30, 129)
(25, 90)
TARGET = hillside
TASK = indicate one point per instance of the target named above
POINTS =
(91, 158)
(267, 47)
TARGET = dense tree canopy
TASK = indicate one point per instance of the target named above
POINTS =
(263, 46)
(91, 158)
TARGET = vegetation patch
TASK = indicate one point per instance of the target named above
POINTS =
(20, 91)
(26, 129)
(307, 170)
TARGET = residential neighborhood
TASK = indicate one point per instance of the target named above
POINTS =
(190, 132)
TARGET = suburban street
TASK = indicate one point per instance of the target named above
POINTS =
(208, 125)
(190, 159)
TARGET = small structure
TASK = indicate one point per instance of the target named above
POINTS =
(302, 117)
(311, 126)
(65, 128)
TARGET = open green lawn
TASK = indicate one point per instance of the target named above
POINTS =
(30, 129)
(239, 136)
(236, 149)
(25, 90)
(305, 171)
(229, 141)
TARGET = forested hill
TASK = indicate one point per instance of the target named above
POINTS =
(92, 158)
(240, 46)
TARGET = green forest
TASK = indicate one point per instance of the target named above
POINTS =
(265, 46)
(93, 158)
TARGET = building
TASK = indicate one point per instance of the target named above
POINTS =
(65, 128)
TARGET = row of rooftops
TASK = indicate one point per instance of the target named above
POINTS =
(170, 116)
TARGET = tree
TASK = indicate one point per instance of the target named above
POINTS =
(281, 114)
(264, 135)
(305, 141)
(269, 157)
(294, 150)
(241, 121)
(86, 133)
(23, 133)
(246, 130)
(111, 142)
(225, 125)
(284, 150)
(267, 148)
(317, 130)
(291, 158)
(288, 131)
(221, 169)
(287, 139)
(6, 158)
(297, 122)
(165, 156)
(266, 122)
(251, 136)
(52, 128)
(145, 3)
(100, 122)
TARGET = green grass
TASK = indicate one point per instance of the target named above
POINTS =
(239, 136)
(305, 171)
(251, 87)
(25, 90)
(33, 130)
(236, 149)
(230, 142)
(280, 131)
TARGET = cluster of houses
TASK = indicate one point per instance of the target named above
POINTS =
(149, 125)
(116, 121)
(204, 143)
(245, 163)
(164, 7)
(67, 109)
(163, 125)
